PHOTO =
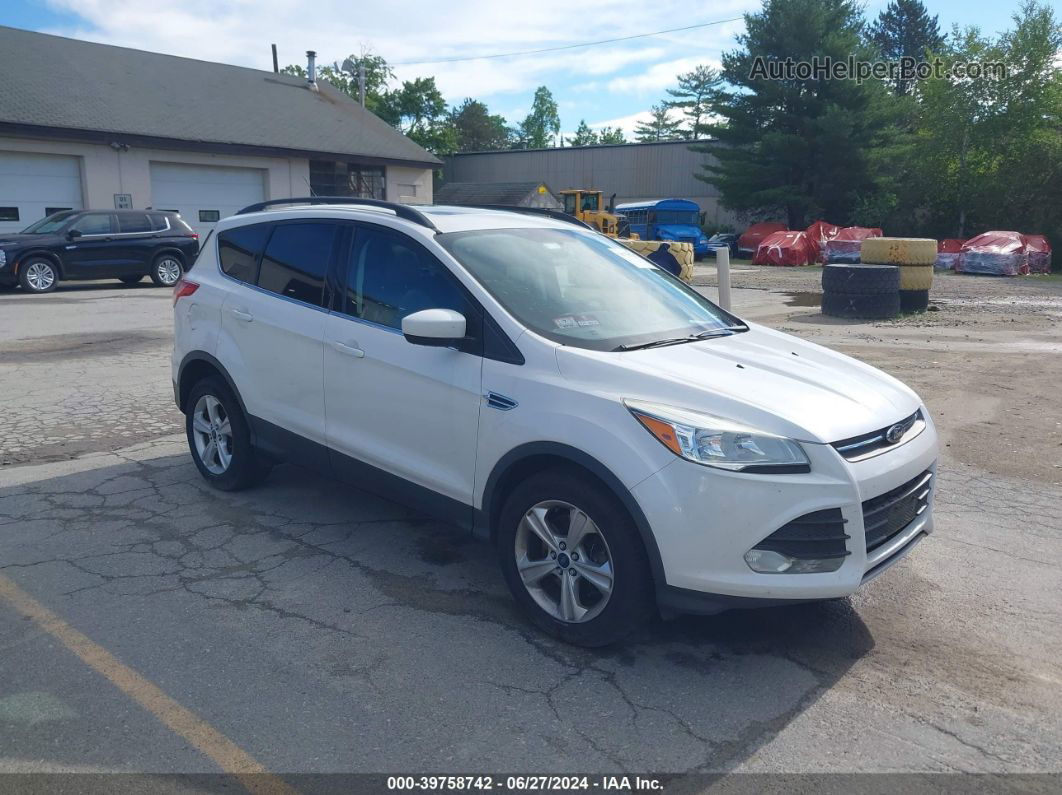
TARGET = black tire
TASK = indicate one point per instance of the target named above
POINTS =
(914, 300)
(162, 272)
(868, 307)
(246, 467)
(860, 279)
(630, 602)
(130, 279)
(33, 278)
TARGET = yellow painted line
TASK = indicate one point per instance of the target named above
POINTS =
(226, 754)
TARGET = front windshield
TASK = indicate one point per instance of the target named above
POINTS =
(48, 225)
(687, 217)
(583, 289)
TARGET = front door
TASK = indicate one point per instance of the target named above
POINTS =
(396, 411)
(91, 254)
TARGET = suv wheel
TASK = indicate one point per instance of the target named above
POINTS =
(166, 270)
(573, 559)
(38, 275)
(219, 438)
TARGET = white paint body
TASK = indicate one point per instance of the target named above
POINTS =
(419, 412)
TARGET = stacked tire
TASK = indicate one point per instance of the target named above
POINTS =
(870, 292)
(914, 257)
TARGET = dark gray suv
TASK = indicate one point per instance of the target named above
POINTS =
(98, 244)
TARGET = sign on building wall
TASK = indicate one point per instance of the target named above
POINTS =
(123, 201)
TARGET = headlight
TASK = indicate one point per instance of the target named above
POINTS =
(3, 258)
(719, 443)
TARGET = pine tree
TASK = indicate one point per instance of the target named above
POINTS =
(694, 97)
(905, 30)
(660, 127)
(611, 135)
(584, 136)
(477, 130)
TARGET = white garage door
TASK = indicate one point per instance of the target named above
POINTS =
(35, 185)
(204, 194)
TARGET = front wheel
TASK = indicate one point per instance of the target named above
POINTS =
(220, 439)
(573, 559)
(166, 270)
(38, 276)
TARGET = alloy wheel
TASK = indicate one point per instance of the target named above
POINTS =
(564, 561)
(40, 276)
(212, 432)
(169, 271)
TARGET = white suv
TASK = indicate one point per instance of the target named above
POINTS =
(626, 444)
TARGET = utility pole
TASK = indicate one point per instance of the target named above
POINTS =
(361, 82)
(276, 64)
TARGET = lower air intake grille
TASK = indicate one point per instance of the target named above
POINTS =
(813, 536)
(886, 515)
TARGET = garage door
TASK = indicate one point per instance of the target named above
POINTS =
(204, 194)
(35, 185)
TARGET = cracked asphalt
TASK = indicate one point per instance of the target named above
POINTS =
(325, 630)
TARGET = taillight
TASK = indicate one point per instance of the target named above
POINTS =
(182, 289)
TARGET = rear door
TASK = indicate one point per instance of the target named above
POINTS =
(272, 328)
(134, 242)
(408, 410)
(91, 255)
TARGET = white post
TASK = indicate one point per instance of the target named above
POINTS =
(722, 266)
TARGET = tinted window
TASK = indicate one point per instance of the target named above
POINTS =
(209, 216)
(93, 224)
(239, 250)
(296, 259)
(389, 276)
(8, 213)
(133, 222)
(158, 222)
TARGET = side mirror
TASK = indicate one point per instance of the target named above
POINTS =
(73, 234)
(436, 327)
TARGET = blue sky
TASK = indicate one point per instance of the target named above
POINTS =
(608, 84)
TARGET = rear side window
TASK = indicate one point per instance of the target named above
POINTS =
(158, 222)
(133, 222)
(296, 259)
(239, 250)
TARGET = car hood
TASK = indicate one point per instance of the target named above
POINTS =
(18, 239)
(773, 381)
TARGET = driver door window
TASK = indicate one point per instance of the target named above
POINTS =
(94, 224)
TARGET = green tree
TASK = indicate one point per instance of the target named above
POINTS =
(660, 126)
(799, 147)
(542, 125)
(584, 136)
(905, 30)
(477, 130)
(611, 135)
(693, 98)
(344, 77)
(418, 110)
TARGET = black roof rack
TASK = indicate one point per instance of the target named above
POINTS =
(556, 215)
(401, 210)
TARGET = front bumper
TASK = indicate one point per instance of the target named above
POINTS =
(705, 520)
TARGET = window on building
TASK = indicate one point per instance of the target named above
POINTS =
(296, 259)
(407, 189)
(334, 178)
(209, 216)
(239, 250)
(53, 210)
(8, 213)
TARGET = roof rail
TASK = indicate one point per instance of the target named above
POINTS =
(401, 210)
(556, 215)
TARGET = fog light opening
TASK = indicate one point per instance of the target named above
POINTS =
(769, 561)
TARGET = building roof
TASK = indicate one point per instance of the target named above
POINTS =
(471, 193)
(78, 86)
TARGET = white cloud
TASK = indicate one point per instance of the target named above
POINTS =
(658, 77)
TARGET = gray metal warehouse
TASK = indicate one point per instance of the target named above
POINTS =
(634, 172)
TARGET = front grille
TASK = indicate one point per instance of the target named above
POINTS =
(866, 445)
(813, 536)
(886, 515)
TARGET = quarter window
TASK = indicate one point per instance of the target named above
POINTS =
(296, 260)
(389, 276)
(239, 250)
(93, 224)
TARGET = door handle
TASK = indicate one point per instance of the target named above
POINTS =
(240, 314)
(349, 350)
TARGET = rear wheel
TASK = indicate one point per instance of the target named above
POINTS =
(130, 279)
(573, 559)
(166, 270)
(38, 275)
(220, 439)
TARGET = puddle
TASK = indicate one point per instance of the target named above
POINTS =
(803, 299)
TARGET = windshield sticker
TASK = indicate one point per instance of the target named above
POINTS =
(575, 321)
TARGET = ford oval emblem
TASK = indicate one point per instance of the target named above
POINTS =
(896, 432)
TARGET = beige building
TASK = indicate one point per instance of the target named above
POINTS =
(86, 125)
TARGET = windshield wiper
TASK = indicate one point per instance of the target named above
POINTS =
(725, 331)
